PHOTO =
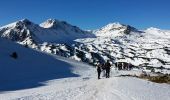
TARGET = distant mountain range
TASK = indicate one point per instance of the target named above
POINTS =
(51, 30)
(116, 42)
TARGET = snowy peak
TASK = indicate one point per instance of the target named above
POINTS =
(56, 24)
(26, 22)
(114, 29)
(158, 32)
(18, 31)
(152, 28)
(112, 26)
(51, 30)
(49, 23)
(65, 29)
(23, 22)
(61, 27)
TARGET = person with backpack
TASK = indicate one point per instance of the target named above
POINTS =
(107, 65)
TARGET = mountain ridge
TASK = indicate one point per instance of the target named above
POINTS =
(19, 30)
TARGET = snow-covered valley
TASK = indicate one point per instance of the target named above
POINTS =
(38, 76)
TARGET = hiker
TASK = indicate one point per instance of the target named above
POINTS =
(99, 70)
(107, 65)
(103, 70)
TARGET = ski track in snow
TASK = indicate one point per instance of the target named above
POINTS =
(87, 87)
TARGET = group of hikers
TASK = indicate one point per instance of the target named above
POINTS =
(105, 67)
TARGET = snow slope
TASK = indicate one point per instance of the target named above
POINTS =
(30, 69)
(38, 76)
(87, 87)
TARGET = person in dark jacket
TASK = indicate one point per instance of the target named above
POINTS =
(107, 65)
(99, 70)
(103, 69)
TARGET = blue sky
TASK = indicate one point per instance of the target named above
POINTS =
(89, 14)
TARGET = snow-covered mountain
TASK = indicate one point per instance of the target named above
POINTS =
(30, 74)
(52, 31)
(116, 42)
(123, 43)
(158, 32)
(114, 29)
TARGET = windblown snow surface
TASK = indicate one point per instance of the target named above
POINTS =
(58, 78)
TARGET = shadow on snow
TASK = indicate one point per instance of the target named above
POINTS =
(31, 70)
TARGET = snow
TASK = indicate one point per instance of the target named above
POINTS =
(112, 29)
(75, 58)
(158, 32)
(30, 69)
(38, 76)
(52, 31)
(113, 41)
(118, 41)
(49, 23)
